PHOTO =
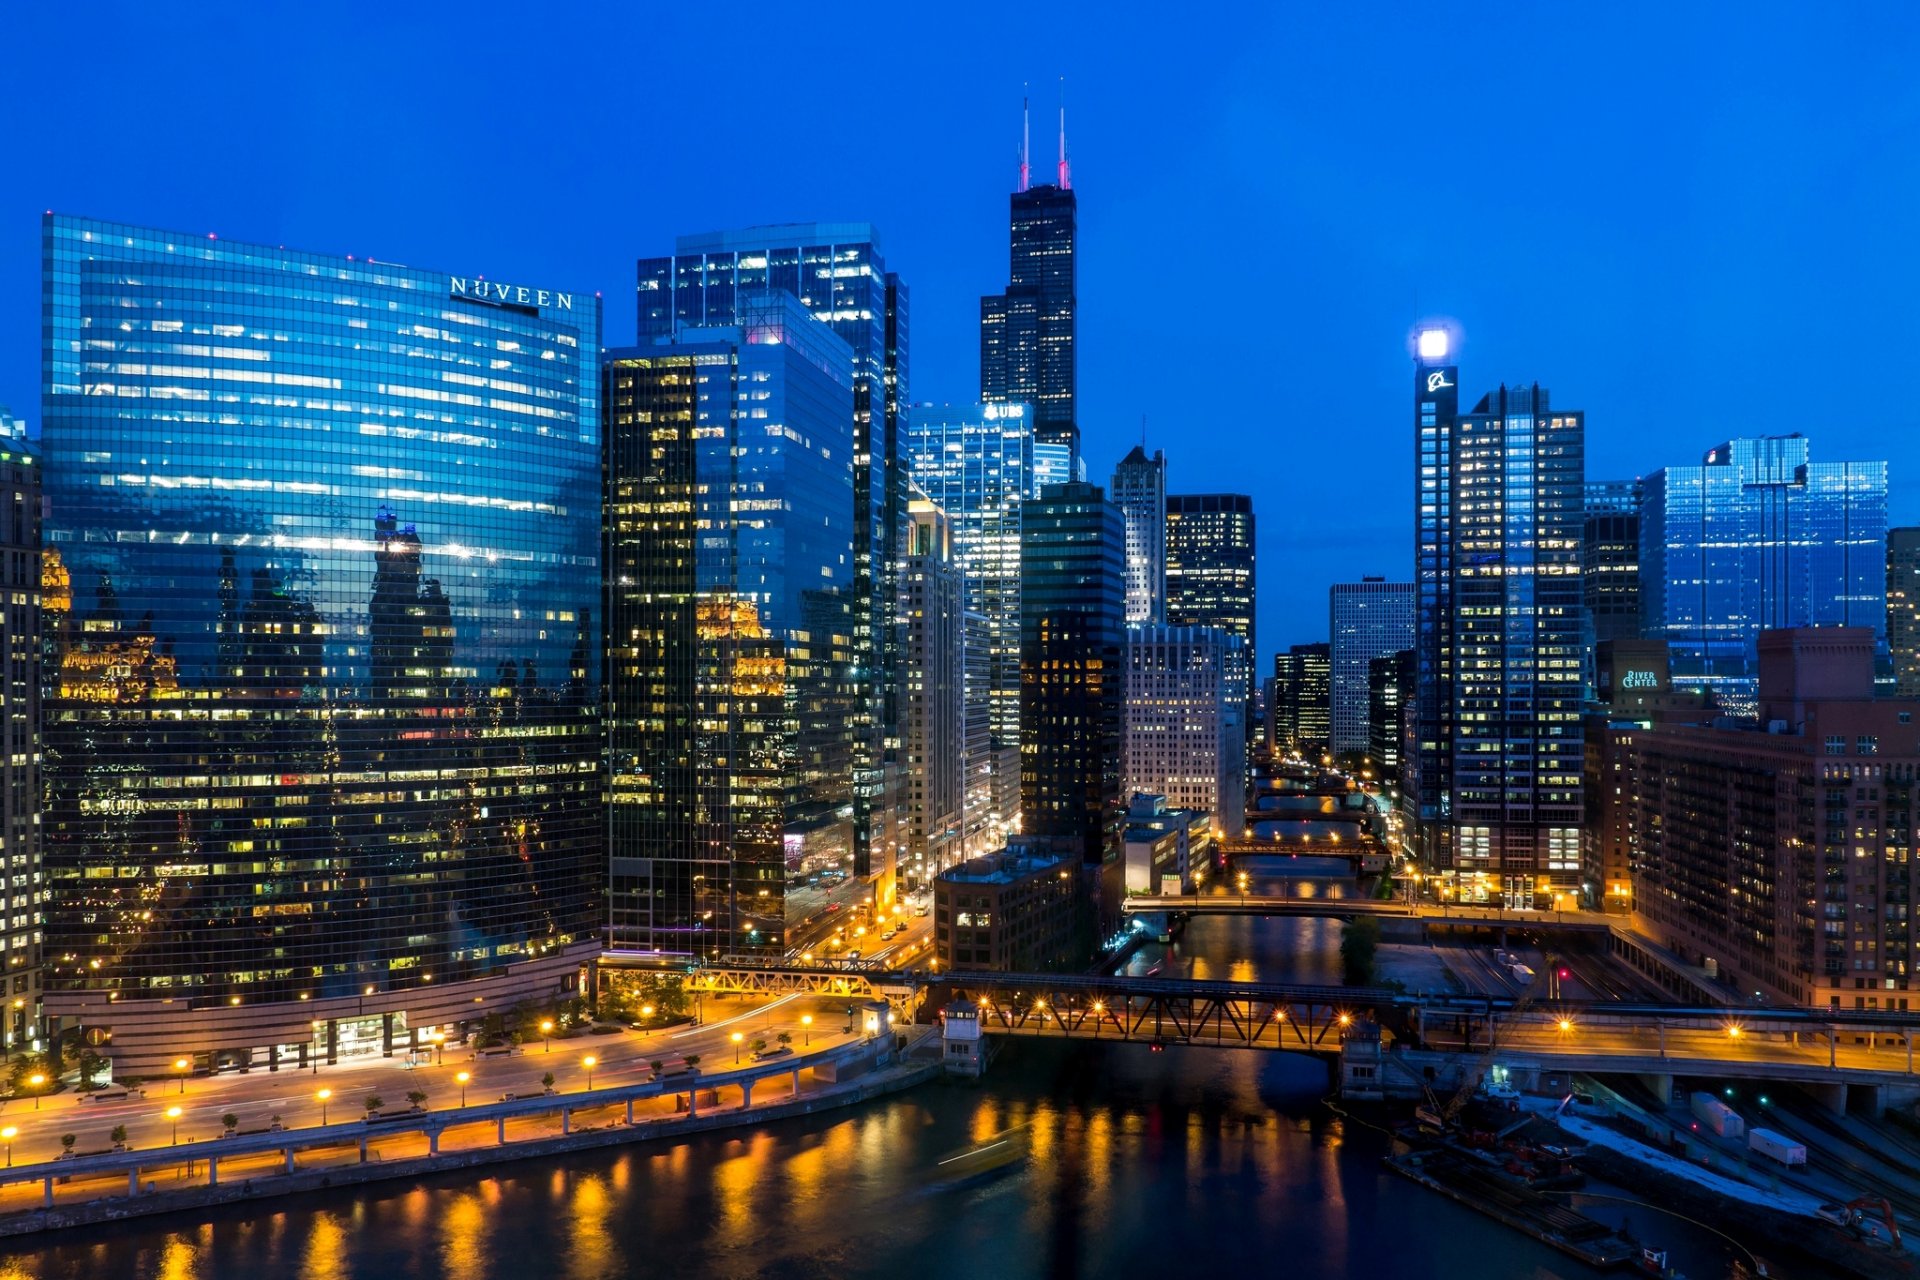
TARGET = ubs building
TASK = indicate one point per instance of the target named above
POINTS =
(323, 765)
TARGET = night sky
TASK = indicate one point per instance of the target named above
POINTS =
(1693, 221)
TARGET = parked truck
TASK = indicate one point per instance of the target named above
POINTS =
(1783, 1149)
(1718, 1116)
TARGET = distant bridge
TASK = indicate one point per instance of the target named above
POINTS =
(1229, 904)
(1821, 1046)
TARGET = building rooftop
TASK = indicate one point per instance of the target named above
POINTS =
(1005, 867)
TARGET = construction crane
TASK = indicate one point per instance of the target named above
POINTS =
(1478, 1071)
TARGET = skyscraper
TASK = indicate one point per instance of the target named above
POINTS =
(1758, 537)
(976, 463)
(323, 742)
(732, 672)
(1610, 560)
(1365, 620)
(20, 641)
(1183, 735)
(933, 615)
(837, 271)
(1303, 678)
(1903, 609)
(1426, 764)
(1072, 669)
(1389, 690)
(1497, 795)
(1140, 491)
(1210, 574)
(1028, 346)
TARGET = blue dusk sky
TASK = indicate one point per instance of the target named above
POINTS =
(1693, 221)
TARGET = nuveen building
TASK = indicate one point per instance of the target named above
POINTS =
(322, 728)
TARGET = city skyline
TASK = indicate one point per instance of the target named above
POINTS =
(1634, 288)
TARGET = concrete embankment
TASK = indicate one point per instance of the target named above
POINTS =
(890, 1080)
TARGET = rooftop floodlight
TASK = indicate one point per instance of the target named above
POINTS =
(1433, 344)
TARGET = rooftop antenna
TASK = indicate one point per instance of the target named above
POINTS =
(1143, 431)
(1066, 179)
(1026, 137)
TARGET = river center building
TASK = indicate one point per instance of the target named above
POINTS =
(323, 757)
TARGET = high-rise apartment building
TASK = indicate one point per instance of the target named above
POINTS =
(1389, 691)
(837, 271)
(934, 619)
(976, 462)
(1758, 537)
(1028, 342)
(1365, 619)
(733, 680)
(1779, 850)
(1210, 574)
(1072, 669)
(20, 641)
(1494, 799)
(1140, 491)
(323, 754)
(1610, 560)
(1903, 609)
(1183, 735)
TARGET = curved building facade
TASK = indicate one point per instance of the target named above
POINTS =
(323, 761)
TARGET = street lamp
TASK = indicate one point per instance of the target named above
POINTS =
(181, 1065)
(737, 1038)
(546, 1032)
(462, 1079)
(806, 1027)
(439, 1039)
(9, 1134)
(646, 1011)
(1566, 1025)
(173, 1114)
(324, 1095)
(38, 1081)
(589, 1062)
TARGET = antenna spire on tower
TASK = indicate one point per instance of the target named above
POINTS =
(1066, 179)
(1026, 138)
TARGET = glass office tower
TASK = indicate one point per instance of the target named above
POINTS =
(837, 270)
(1365, 620)
(322, 706)
(1512, 777)
(1755, 538)
(1903, 610)
(1210, 576)
(733, 678)
(976, 462)
(1140, 491)
(1072, 669)
(24, 892)
(1028, 335)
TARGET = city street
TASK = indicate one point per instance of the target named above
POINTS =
(292, 1095)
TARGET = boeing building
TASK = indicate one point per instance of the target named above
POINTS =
(323, 770)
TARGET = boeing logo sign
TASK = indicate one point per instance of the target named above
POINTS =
(1640, 680)
(1437, 380)
(517, 295)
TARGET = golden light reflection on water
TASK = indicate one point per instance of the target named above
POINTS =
(179, 1260)
(592, 1251)
(733, 1181)
(463, 1237)
(325, 1256)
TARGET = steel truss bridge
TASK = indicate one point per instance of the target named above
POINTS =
(1314, 1019)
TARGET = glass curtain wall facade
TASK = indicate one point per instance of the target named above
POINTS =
(1426, 757)
(1028, 347)
(1365, 619)
(838, 272)
(1758, 537)
(21, 591)
(1210, 575)
(1903, 609)
(1140, 491)
(1183, 738)
(976, 462)
(1517, 609)
(1072, 669)
(322, 675)
(733, 681)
